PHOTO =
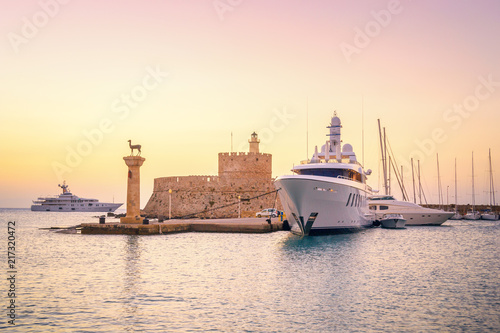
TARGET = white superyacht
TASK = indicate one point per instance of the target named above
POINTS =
(67, 202)
(327, 194)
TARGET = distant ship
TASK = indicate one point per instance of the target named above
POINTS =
(327, 194)
(67, 202)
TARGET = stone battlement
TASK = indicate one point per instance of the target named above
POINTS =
(240, 175)
(243, 154)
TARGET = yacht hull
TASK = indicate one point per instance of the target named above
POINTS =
(489, 217)
(393, 223)
(427, 218)
(472, 216)
(317, 205)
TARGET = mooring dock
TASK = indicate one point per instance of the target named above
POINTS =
(242, 225)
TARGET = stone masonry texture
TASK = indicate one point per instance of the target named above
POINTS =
(247, 175)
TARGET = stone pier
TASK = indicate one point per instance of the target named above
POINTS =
(133, 215)
(245, 225)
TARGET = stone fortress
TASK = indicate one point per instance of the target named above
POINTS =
(243, 187)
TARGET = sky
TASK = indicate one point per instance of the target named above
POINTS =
(190, 79)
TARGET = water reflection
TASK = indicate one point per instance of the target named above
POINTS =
(131, 280)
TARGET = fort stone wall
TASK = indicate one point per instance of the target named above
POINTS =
(242, 176)
(245, 165)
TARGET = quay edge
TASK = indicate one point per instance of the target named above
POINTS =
(250, 225)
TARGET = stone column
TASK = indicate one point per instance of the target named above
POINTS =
(134, 164)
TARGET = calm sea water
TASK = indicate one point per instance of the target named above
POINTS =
(420, 279)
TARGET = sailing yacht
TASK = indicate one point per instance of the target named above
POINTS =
(473, 214)
(328, 193)
(491, 215)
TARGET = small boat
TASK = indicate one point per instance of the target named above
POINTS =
(67, 202)
(393, 221)
(456, 216)
(472, 215)
(489, 215)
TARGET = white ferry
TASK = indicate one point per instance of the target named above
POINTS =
(67, 202)
(327, 194)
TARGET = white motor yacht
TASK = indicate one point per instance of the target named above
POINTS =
(327, 194)
(413, 213)
(67, 202)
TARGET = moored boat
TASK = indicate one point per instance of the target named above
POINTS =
(472, 215)
(67, 202)
(413, 213)
(392, 221)
(489, 215)
(328, 193)
(456, 216)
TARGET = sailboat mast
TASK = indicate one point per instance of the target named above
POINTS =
(456, 200)
(440, 190)
(389, 178)
(492, 187)
(387, 167)
(473, 194)
(402, 186)
(419, 183)
(383, 157)
(413, 180)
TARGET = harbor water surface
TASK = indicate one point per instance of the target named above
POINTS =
(418, 279)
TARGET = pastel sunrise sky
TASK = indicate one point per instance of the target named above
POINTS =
(80, 78)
